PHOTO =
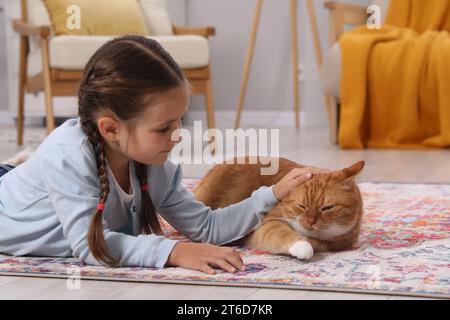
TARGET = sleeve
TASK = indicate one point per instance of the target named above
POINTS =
(70, 179)
(202, 224)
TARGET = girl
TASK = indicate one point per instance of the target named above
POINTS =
(93, 187)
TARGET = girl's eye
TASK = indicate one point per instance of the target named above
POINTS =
(164, 130)
(327, 208)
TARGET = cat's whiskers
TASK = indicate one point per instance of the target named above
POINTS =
(336, 230)
(332, 231)
(295, 224)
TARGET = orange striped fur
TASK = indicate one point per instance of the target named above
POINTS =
(323, 214)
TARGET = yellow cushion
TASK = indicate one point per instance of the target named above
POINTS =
(99, 17)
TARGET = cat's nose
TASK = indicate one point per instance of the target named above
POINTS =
(312, 221)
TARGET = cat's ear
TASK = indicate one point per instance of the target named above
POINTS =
(353, 170)
(350, 172)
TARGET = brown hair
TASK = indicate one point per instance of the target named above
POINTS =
(123, 76)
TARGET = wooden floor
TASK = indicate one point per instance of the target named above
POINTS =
(308, 146)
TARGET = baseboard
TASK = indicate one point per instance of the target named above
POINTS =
(226, 118)
(5, 118)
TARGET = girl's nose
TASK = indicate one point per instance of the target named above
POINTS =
(178, 124)
(175, 138)
(178, 140)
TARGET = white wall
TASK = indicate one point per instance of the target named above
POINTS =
(270, 84)
(64, 106)
(3, 86)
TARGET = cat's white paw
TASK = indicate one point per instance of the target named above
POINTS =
(302, 250)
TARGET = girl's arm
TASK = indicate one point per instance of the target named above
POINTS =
(202, 224)
(70, 177)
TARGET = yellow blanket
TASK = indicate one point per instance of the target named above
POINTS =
(395, 86)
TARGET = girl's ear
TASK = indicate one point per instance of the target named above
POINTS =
(108, 127)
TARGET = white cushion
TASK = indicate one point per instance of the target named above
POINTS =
(73, 52)
(330, 73)
(155, 12)
(156, 15)
(332, 64)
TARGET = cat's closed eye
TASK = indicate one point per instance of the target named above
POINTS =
(327, 208)
(301, 206)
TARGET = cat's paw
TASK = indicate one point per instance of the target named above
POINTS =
(302, 250)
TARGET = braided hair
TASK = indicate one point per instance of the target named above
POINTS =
(122, 77)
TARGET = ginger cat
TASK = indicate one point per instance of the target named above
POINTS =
(323, 214)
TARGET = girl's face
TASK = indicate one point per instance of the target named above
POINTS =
(150, 141)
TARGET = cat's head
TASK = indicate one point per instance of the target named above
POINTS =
(326, 207)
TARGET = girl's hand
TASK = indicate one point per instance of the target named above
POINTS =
(294, 178)
(203, 257)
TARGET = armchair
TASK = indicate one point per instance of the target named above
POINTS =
(54, 64)
(341, 15)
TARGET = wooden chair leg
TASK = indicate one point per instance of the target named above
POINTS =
(49, 112)
(209, 99)
(248, 62)
(315, 32)
(21, 93)
(211, 118)
(332, 110)
(330, 103)
(294, 58)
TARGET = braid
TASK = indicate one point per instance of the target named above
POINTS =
(123, 77)
(148, 217)
(96, 238)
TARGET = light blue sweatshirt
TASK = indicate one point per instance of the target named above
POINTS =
(46, 206)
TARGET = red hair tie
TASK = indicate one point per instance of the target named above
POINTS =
(101, 207)
(144, 187)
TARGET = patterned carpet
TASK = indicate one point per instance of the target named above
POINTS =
(403, 249)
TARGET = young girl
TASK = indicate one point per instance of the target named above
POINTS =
(93, 188)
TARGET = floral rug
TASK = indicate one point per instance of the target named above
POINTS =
(403, 249)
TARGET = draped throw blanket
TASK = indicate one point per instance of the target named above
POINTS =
(395, 86)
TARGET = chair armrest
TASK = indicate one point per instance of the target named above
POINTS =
(25, 29)
(342, 14)
(205, 31)
(331, 5)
